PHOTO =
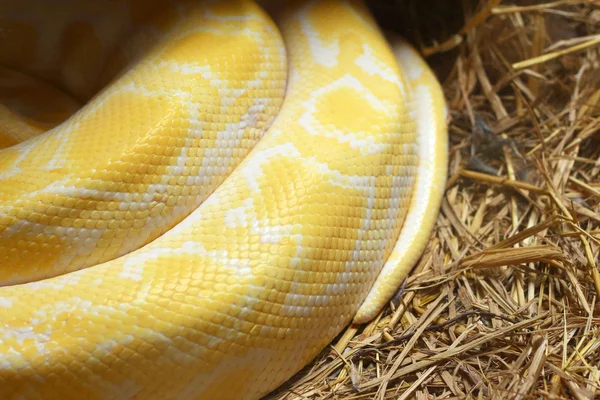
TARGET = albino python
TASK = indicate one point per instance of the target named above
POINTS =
(196, 197)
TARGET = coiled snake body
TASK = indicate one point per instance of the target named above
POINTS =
(194, 199)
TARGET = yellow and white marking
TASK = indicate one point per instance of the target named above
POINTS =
(232, 194)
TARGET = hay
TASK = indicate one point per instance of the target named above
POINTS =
(504, 302)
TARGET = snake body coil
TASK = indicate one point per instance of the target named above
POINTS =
(195, 198)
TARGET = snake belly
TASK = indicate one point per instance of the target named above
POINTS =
(236, 187)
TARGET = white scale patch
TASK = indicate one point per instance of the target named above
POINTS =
(252, 170)
(25, 148)
(58, 283)
(366, 143)
(369, 63)
(325, 54)
(410, 61)
(133, 267)
(238, 217)
(426, 124)
(6, 302)
(45, 313)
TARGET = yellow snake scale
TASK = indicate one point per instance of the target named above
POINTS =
(196, 197)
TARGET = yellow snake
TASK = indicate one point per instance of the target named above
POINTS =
(196, 197)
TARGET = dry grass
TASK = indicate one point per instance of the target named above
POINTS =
(504, 302)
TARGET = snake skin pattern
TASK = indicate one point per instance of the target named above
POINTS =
(196, 197)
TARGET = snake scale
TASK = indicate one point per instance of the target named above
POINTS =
(196, 197)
